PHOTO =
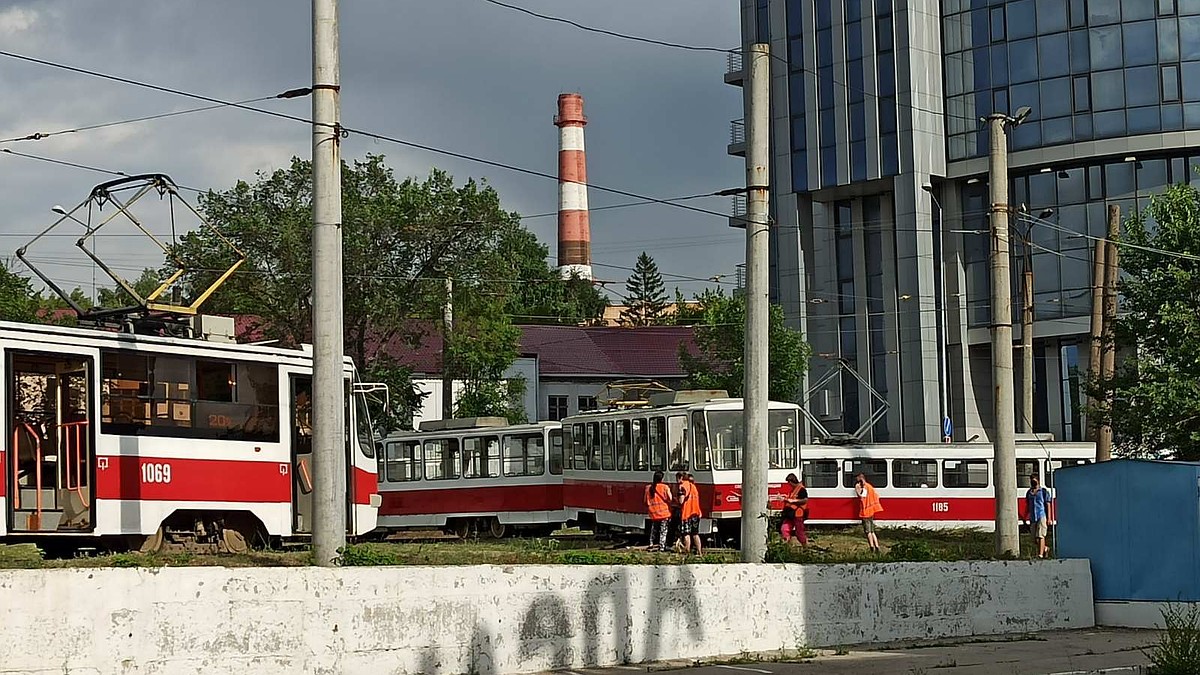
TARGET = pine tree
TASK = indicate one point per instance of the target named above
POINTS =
(645, 295)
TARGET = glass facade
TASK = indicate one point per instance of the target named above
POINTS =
(853, 59)
(1089, 69)
(847, 320)
(1062, 265)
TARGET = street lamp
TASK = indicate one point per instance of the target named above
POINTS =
(943, 333)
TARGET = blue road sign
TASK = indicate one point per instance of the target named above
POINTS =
(947, 428)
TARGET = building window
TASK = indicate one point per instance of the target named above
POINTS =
(587, 403)
(557, 408)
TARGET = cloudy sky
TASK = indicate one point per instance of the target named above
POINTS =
(463, 75)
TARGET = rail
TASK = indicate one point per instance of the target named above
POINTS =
(737, 132)
(79, 461)
(37, 445)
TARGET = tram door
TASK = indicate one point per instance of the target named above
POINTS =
(49, 443)
(302, 454)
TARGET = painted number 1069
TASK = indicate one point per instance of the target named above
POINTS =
(156, 473)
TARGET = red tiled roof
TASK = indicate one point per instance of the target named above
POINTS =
(562, 351)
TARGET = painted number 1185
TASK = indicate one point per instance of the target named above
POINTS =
(156, 473)
(941, 507)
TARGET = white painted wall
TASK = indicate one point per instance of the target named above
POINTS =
(431, 405)
(514, 619)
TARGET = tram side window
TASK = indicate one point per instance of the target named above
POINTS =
(819, 473)
(578, 448)
(606, 446)
(703, 459)
(658, 443)
(441, 459)
(481, 457)
(965, 473)
(557, 436)
(914, 473)
(1057, 464)
(875, 471)
(624, 443)
(524, 455)
(593, 441)
(1025, 469)
(188, 398)
(677, 446)
(641, 456)
(403, 460)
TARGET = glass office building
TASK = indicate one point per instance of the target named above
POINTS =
(879, 186)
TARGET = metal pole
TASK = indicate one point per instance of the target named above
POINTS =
(329, 389)
(1108, 348)
(758, 155)
(1097, 333)
(447, 374)
(1004, 463)
(1027, 339)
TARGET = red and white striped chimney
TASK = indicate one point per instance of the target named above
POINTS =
(574, 233)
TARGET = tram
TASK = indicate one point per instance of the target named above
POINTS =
(154, 440)
(613, 454)
(473, 474)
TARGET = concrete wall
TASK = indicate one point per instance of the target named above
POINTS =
(504, 619)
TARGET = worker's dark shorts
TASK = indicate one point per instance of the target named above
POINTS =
(690, 526)
(868, 525)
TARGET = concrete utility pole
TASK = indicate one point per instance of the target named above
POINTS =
(1004, 442)
(1108, 347)
(447, 330)
(329, 391)
(758, 157)
(1097, 333)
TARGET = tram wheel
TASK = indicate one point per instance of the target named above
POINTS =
(497, 529)
(460, 528)
(233, 541)
(154, 542)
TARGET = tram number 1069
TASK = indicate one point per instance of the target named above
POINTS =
(156, 473)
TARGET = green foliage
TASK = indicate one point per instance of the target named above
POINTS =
(146, 283)
(719, 363)
(541, 295)
(1178, 650)
(645, 295)
(911, 551)
(17, 299)
(403, 400)
(1156, 389)
(366, 555)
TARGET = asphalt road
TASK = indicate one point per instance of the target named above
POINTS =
(1078, 651)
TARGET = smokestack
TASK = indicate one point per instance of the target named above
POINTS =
(574, 233)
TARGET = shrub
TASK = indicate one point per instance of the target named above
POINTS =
(1178, 650)
(911, 551)
(365, 555)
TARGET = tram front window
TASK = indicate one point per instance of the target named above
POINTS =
(362, 424)
(726, 434)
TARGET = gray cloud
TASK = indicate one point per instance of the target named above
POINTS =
(459, 74)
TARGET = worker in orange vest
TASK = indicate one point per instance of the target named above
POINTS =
(689, 514)
(795, 511)
(868, 508)
(658, 505)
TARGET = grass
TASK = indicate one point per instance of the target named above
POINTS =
(827, 546)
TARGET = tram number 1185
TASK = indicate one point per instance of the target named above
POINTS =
(941, 507)
(156, 473)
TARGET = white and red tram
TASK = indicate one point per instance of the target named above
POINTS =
(113, 435)
(931, 486)
(612, 456)
(473, 472)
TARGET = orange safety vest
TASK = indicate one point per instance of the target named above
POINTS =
(658, 503)
(869, 502)
(691, 500)
(801, 511)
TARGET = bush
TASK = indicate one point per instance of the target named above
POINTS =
(911, 551)
(365, 555)
(1178, 651)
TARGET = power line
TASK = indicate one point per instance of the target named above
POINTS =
(342, 130)
(110, 172)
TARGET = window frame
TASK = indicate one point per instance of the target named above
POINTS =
(966, 463)
(857, 465)
(448, 458)
(808, 481)
(898, 470)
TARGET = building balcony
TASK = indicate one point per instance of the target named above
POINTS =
(735, 71)
(738, 217)
(737, 138)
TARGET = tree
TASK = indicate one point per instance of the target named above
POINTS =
(718, 361)
(541, 295)
(645, 296)
(146, 283)
(18, 302)
(401, 239)
(1156, 389)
